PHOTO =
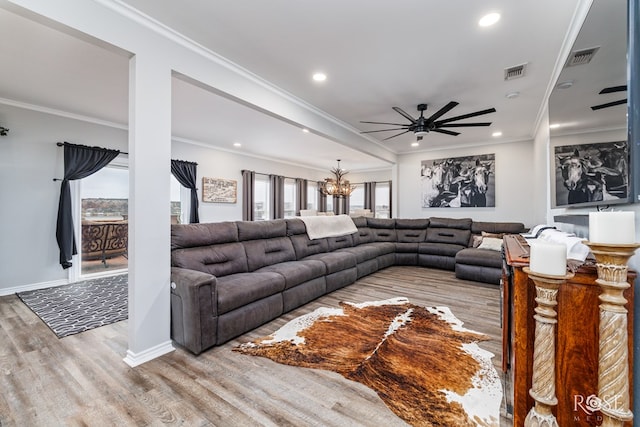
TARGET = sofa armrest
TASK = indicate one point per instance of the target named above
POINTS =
(194, 309)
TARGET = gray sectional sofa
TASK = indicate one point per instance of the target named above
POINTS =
(230, 277)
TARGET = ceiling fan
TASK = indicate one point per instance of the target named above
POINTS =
(611, 89)
(423, 125)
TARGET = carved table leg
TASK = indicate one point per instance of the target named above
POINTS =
(543, 387)
(613, 363)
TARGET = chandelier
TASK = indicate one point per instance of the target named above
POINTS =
(337, 186)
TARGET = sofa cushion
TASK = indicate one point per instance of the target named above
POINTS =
(411, 235)
(253, 230)
(448, 235)
(403, 247)
(295, 226)
(497, 227)
(384, 235)
(268, 251)
(363, 235)
(412, 224)
(388, 223)
(194, 235)
(340, 242)
(459, 223)
(219, 260)
(335, 261)
(297, 272)
(360, 221)
(363, 252)
(240, 289)
(442, 249)
(480, 257)
(303, 246)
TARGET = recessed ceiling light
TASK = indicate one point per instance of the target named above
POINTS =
(565, 85)
(496, 134)
(305, 130)
(319, 77)
(237, 144)
(415, 144)
(489, 19)
(512, 95)
(554, 126)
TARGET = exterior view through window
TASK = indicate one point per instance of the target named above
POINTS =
(104, 220)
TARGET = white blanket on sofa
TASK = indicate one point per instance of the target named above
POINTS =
(328, 226)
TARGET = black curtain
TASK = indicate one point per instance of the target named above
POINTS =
(80, 161)
(301, 195)
(276, 184)
(322, 199)
(370, 196)
(248, 185)
(185, 173)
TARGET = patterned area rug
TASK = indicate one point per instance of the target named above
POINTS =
(78, 307)
(424, 365)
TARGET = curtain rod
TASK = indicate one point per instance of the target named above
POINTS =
(61, 144)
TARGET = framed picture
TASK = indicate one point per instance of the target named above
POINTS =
(590, 174)
(458, 182)
(216, 190)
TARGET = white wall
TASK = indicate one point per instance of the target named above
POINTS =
(29, 160)
(513, 174)
(213, 163)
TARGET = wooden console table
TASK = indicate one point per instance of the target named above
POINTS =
(577, 347)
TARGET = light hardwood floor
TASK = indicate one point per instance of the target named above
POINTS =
(81, 380)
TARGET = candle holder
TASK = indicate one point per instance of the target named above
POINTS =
(613, 361)
(543, 384)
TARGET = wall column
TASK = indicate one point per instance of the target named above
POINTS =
(149, 208)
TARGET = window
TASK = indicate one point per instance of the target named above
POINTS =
(329, 204)
(261, 207)
(177, 216)
(312, 195)
(383, 199)
(104, 207)
(356, 200)
(289, 197)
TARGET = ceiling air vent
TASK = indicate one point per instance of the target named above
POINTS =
(515, 72)
(581, 57)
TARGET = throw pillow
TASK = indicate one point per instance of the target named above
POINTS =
(494, 235)
(477, 240)
(491, 243)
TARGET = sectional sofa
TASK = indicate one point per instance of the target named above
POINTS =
(230, 277)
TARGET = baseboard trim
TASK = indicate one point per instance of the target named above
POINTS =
(33, 287)
(135, 359)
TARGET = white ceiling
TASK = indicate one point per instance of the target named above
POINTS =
(376, 54)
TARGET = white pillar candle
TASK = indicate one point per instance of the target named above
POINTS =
(548, 258)
(612, 227)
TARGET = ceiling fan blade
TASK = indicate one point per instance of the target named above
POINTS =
(384, 123)
(465, 116)
(613, 89)
(396, 135)
(404, 114)
(608, 104)
(442, 111)
(464, 125)
(383, 130)
(448, 132)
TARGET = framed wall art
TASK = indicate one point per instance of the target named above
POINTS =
(590, 174)
(216, 190)
(458, 182)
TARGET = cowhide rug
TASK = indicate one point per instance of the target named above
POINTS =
(423, 364)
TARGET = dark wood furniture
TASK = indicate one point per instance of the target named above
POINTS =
(577, 344)
(104, 239)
